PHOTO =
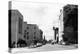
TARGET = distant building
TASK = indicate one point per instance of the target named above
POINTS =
(61, 25)
(56, 34)
(31, 33)
(15, 27)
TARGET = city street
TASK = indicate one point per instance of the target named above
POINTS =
(42, 27)
(47, 47)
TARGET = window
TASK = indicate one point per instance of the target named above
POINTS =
(34, 37)
(27, 27)
(34, 33)
(24, 36)
(34, 27)
(27, 33)
(27, 37)
(24, 30)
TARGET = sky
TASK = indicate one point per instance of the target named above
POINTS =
(45, 15)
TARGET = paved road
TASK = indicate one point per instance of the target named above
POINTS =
(47, 47)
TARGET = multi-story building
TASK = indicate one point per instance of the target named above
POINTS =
(69, 24)
(15, 27)
(56, 34)
(31, 33)
(70, 16)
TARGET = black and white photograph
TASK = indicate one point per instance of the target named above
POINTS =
(42, 26)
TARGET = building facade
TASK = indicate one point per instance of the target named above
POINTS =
(31, 33)
(15, 27)
(68, 24)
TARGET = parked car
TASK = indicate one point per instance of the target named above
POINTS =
(62, 42)
(21, 43)
(53, 42)
(31, 45)
(39, 44)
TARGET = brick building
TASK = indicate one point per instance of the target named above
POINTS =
(31, 33)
